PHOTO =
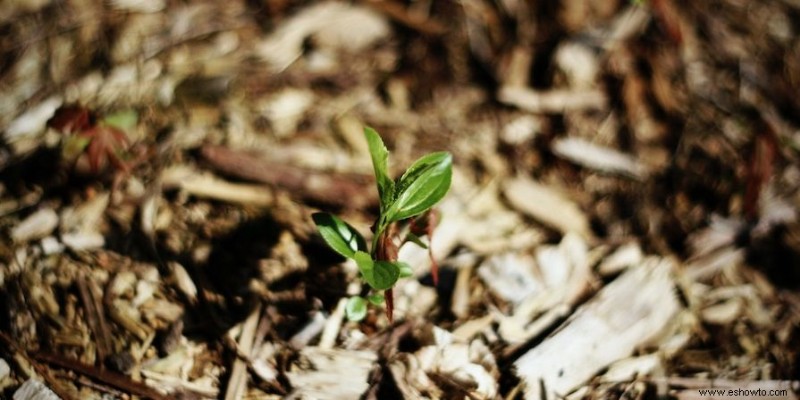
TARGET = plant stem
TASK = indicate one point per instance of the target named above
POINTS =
(384, 250)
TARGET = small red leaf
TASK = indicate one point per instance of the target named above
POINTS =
(70, 119)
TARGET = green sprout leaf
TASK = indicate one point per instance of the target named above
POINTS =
(410, 237)
(123, 120)
(380, 275)
(376, 299)
(384, 275)
(74, 145)
(356, 308)
(380, 162)
(405, 269)
(339, 235)
(421, 186)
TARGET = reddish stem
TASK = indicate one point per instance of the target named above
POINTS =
(388, 295)
(387, 251)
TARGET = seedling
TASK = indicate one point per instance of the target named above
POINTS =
(405, 207)
(95, 141)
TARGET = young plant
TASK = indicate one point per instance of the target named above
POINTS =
(405, 207)
(92, 143)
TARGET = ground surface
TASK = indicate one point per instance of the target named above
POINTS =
(622, 220)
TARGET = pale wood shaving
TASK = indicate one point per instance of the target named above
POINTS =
(546, 205)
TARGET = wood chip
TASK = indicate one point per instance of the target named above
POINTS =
(630, 368)
(34, 390)
(331, 24)
(33, 121)
(35, 226)
(331, 374)
(183, 280)
(510, 276)
(552, 101)
(625, 256)
(205, 185)
(237, 384)
(547, 205)
(5, 369)
(623, 316)
(603, 159)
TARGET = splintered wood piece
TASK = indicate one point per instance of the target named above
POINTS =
(237, 384)
(623, 316)
(95, 317)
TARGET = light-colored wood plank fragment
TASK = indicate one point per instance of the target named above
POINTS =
(624, 315)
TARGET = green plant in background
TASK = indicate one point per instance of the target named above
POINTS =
(405, 207)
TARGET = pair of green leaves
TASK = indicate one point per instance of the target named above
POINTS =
(347, 241)
(423, 184)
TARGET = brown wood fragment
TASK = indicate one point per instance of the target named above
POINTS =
(398, 13)
(113, 379)
(343, 190)
(759, 169)
(95, 317)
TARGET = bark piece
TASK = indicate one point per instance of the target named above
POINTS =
(348, 190)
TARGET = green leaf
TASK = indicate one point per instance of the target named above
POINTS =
(405, 269)
(380, 162)
(339, 235)
(376, 299)
(356, 308)
(74, 145)
(421, 186)
(123, 120)
(384, 276)
(410, 237)
(380, 275)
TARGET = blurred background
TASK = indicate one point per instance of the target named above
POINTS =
(622, 218)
